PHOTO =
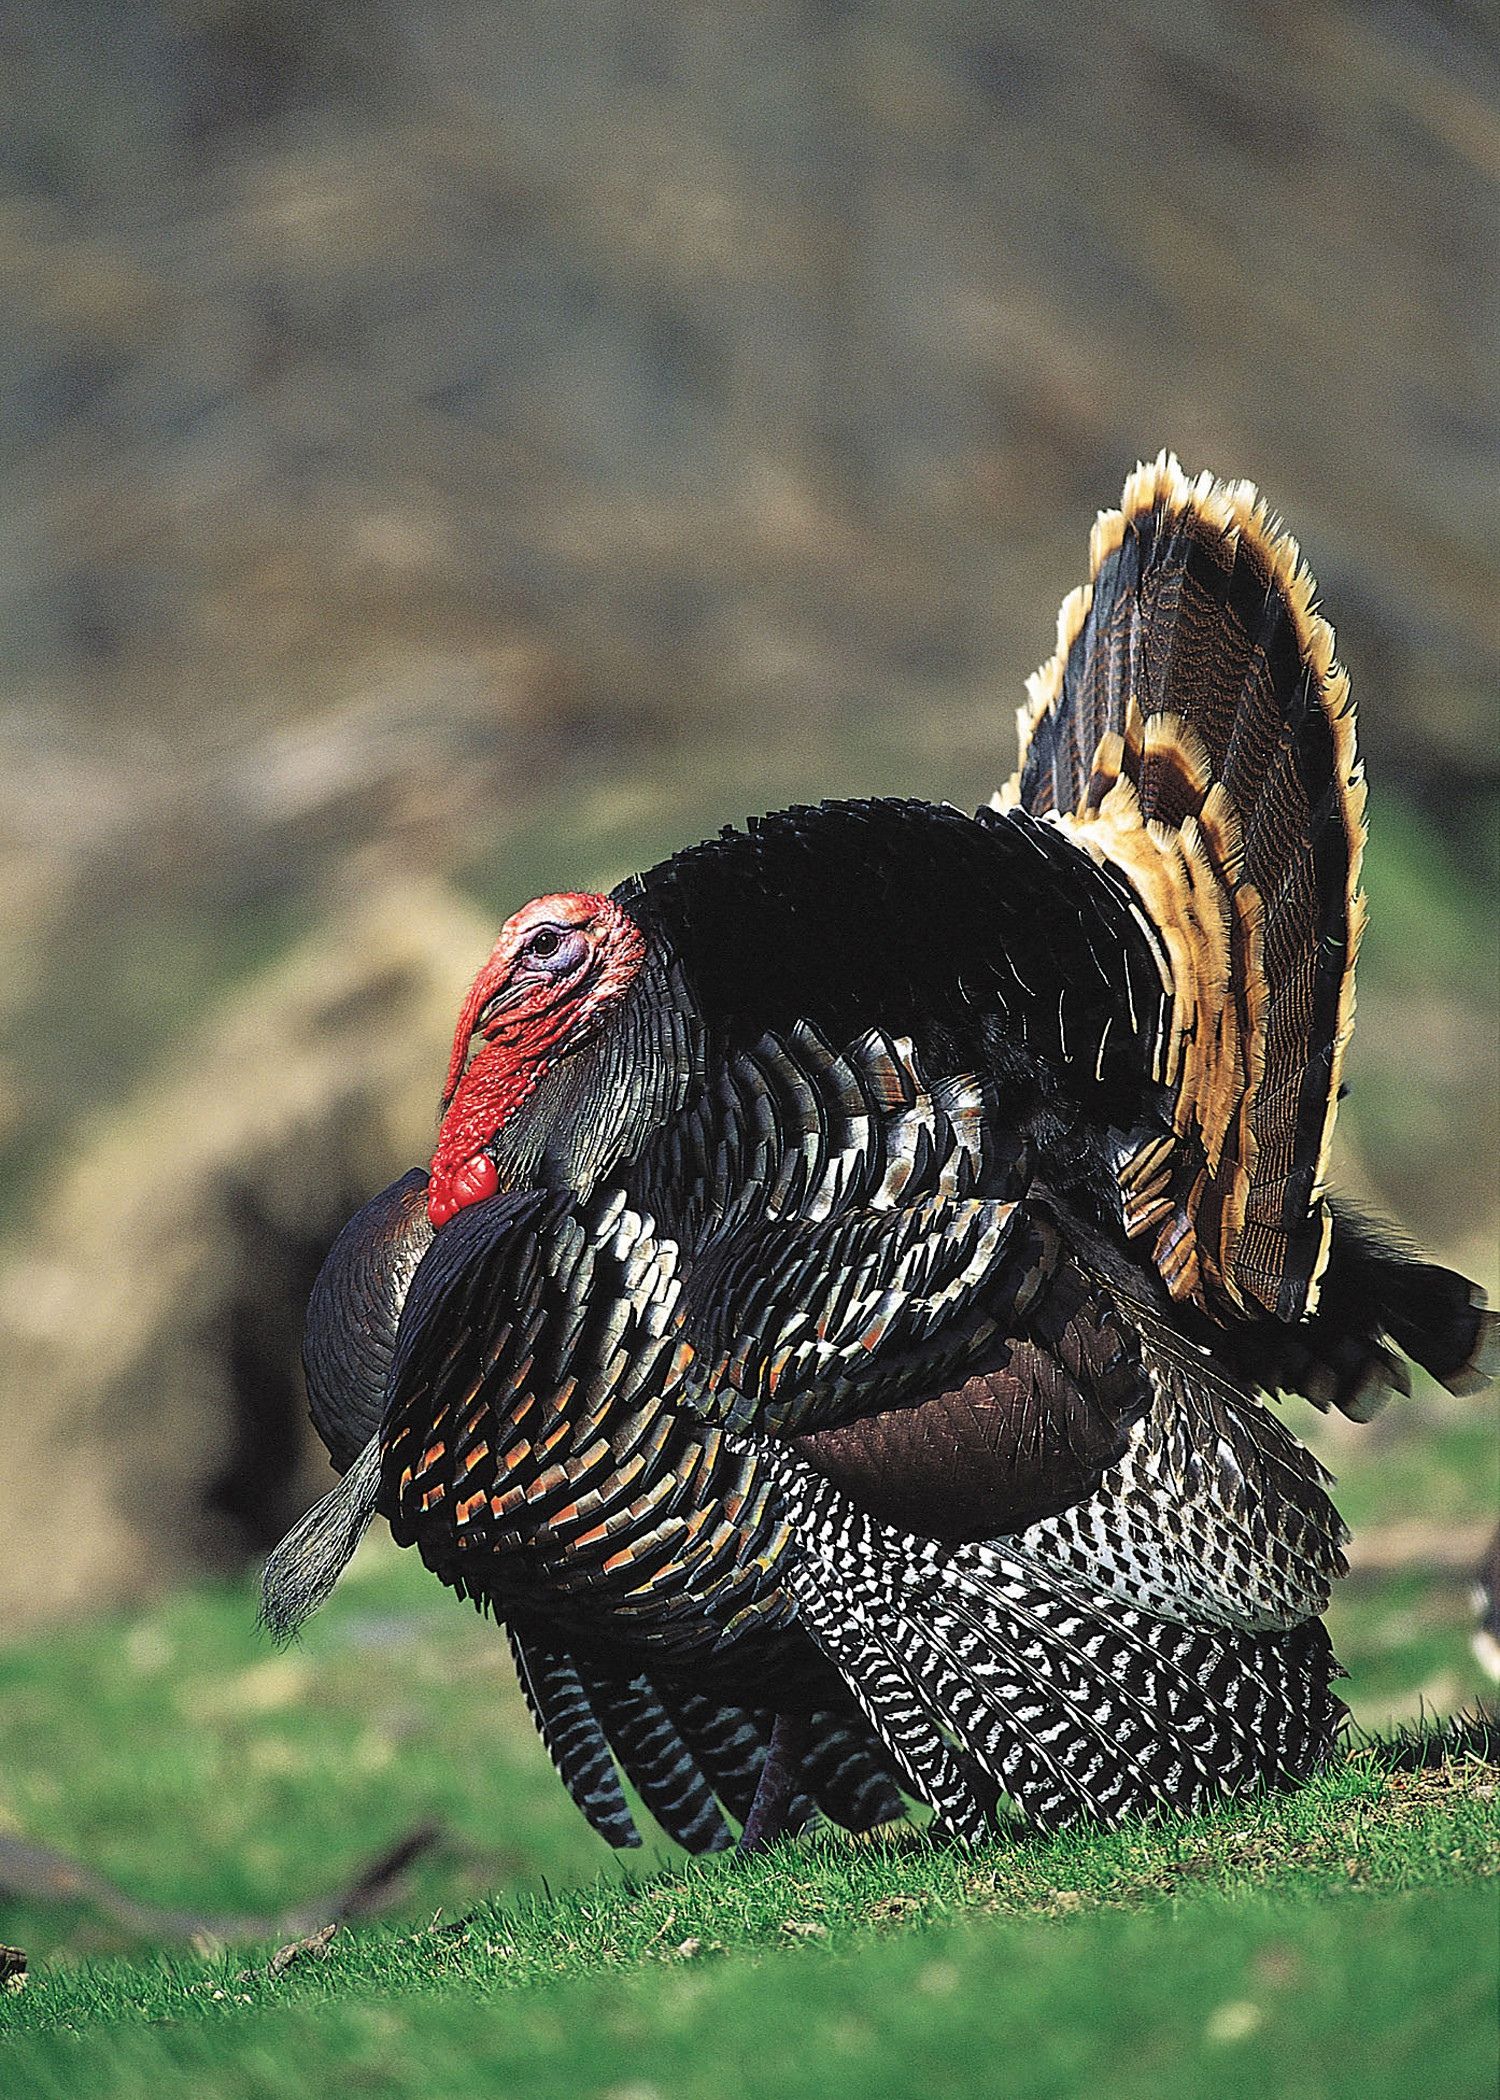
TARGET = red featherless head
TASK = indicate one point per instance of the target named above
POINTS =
(560, 962)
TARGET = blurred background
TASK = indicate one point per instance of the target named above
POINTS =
(456, 450)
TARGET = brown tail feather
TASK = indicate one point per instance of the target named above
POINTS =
(1194, 730)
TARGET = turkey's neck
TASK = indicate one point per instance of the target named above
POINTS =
(548, 1110)
(493, 1088)
(588, 1110)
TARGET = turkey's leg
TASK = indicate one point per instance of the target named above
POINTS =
(776, 1788)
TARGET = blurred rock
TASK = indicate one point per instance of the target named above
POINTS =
(149, 1332)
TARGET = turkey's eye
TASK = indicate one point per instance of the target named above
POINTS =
(554, 948)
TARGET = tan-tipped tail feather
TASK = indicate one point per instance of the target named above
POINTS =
(1194, 730)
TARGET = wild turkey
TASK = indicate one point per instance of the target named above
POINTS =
(833, 1334)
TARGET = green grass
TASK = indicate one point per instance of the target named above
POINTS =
(176, 1751)
(1341, 1937)
(1427, 1472)
(1194, 1953)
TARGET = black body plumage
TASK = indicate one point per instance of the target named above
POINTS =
(868, 1349)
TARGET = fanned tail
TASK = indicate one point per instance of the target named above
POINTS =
(987, 1675)
(1194, 733)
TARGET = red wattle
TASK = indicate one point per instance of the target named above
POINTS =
(470, 1183)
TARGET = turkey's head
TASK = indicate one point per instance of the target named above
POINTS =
(561, 966)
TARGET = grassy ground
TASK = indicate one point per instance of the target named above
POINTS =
(176, 1753)
(1340, 1942)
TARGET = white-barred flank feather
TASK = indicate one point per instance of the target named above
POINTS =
(1215, 1515)
(987, 1674)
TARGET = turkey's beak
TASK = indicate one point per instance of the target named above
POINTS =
(491, 1011)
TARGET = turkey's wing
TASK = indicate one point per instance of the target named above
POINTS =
(948, 1365)
(353, 1313)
